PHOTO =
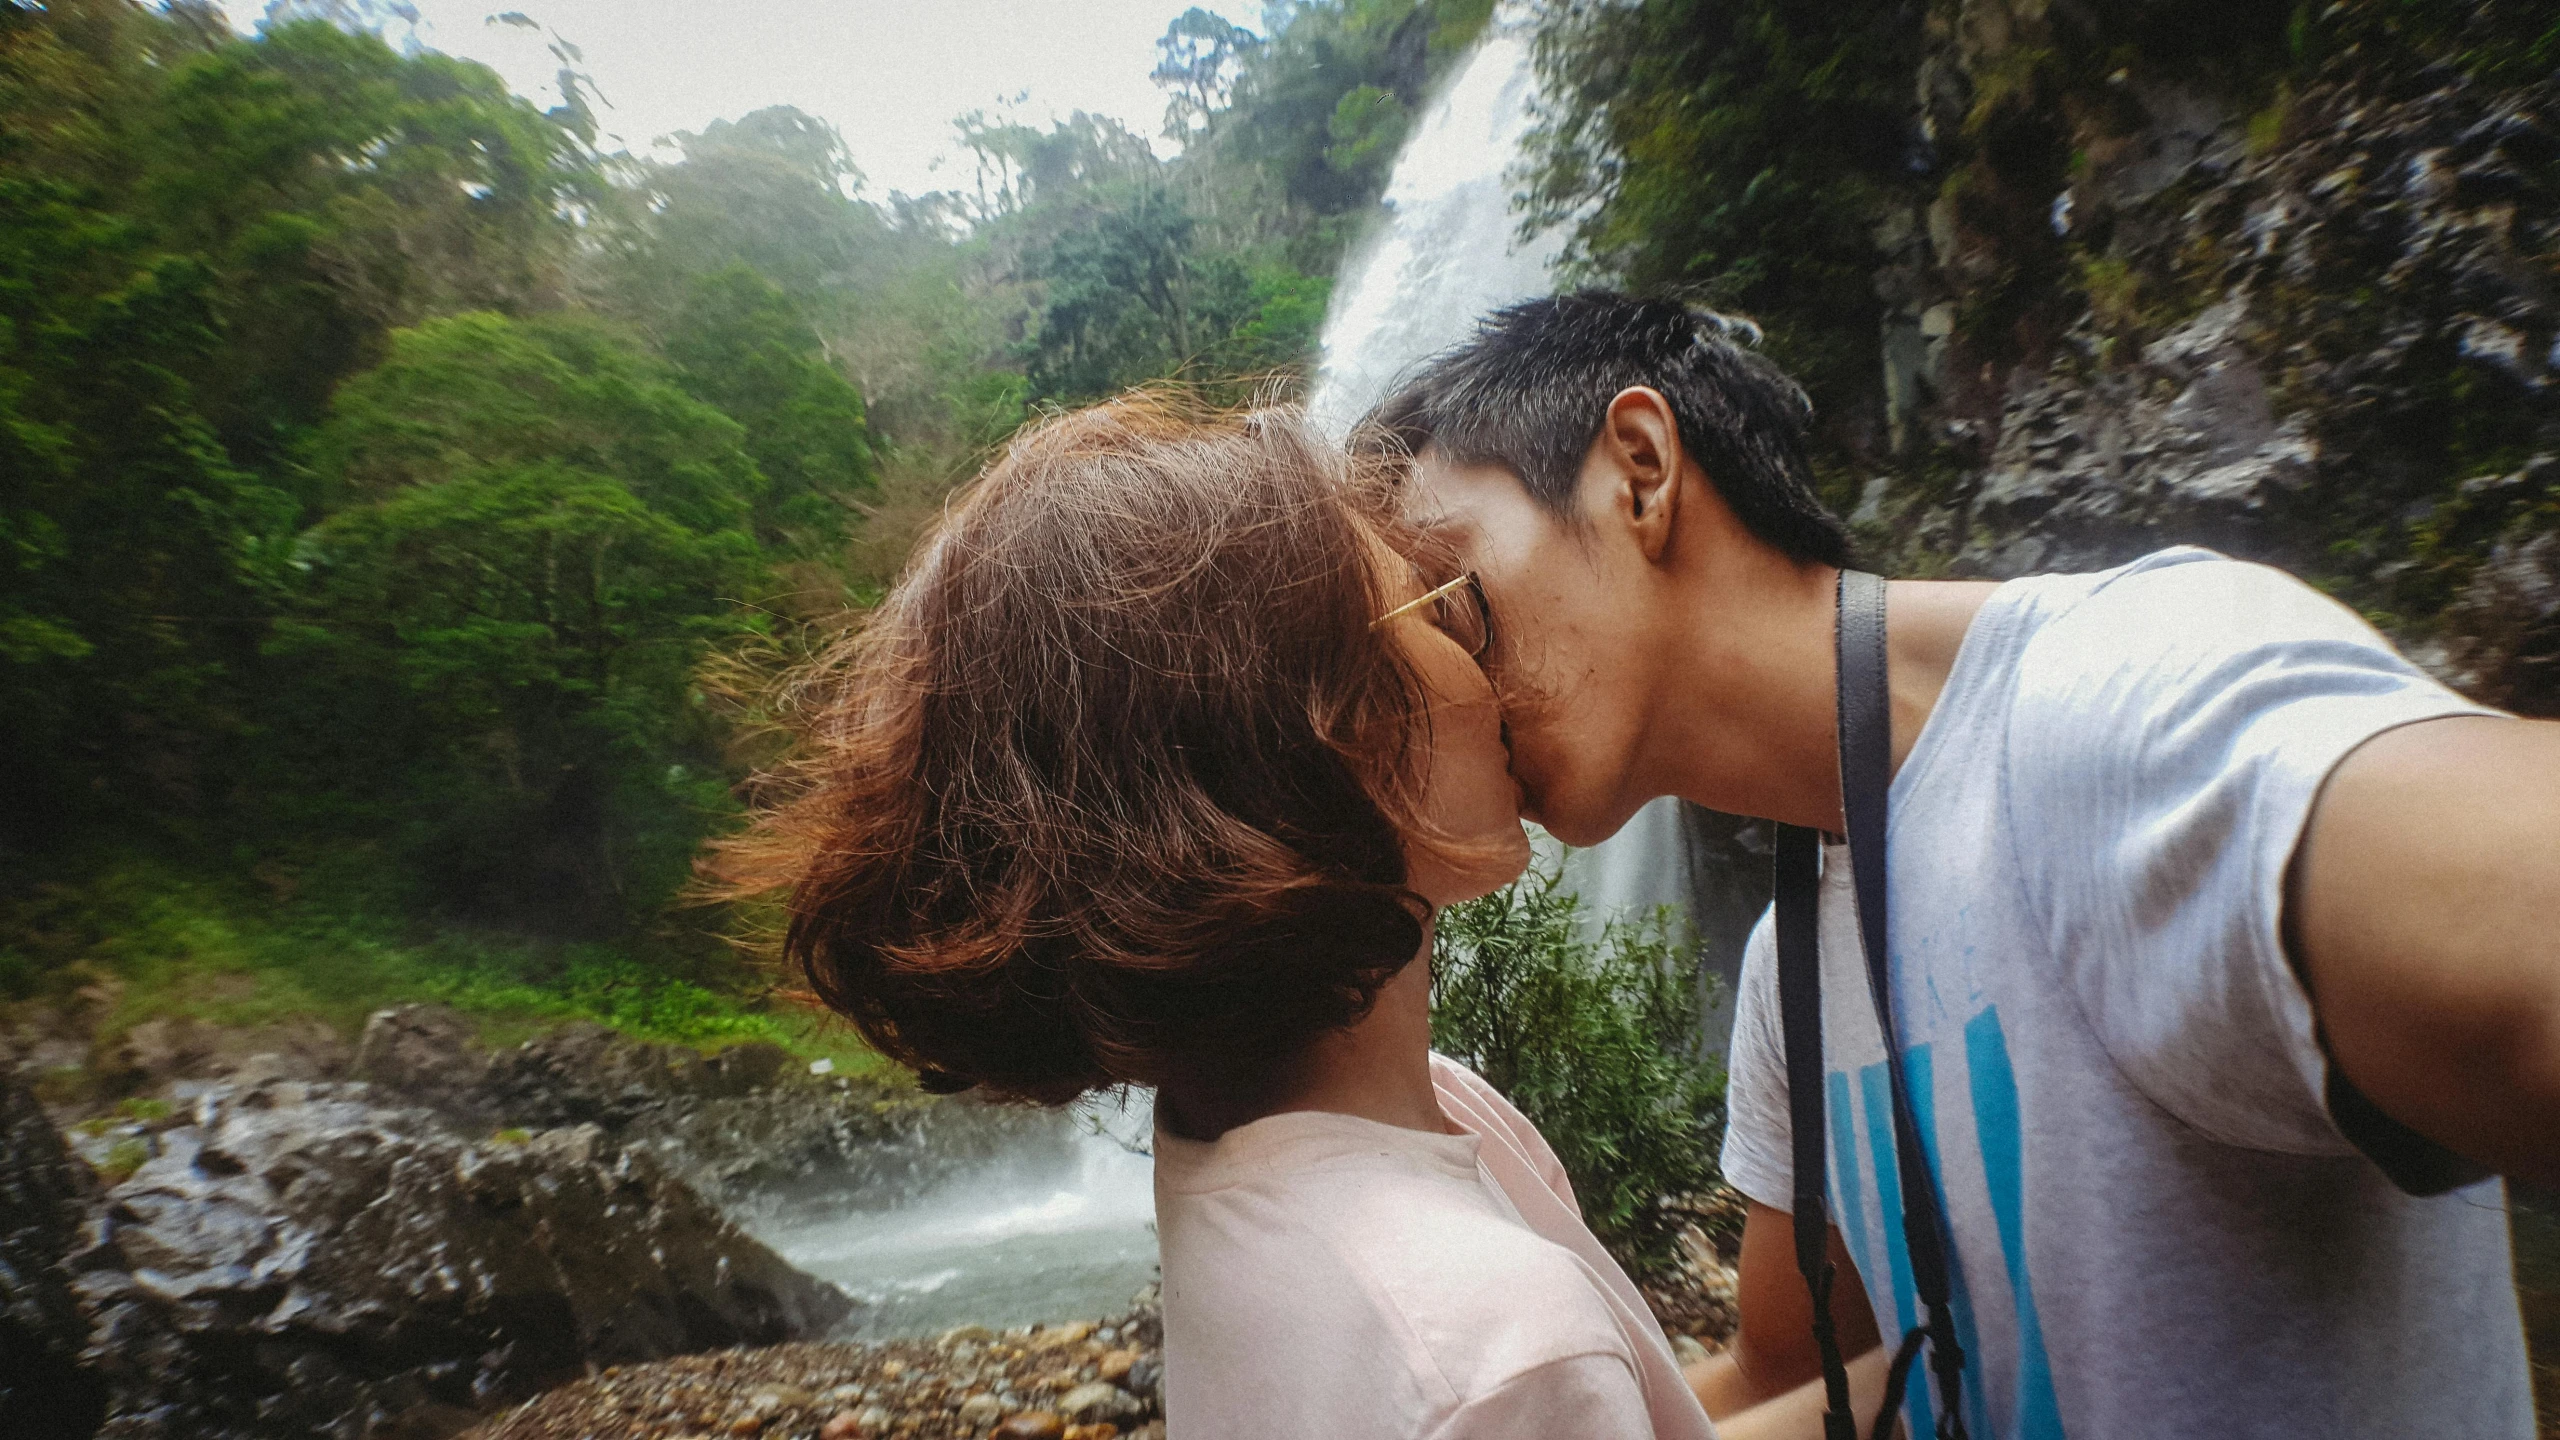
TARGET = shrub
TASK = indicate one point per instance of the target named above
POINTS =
(1597, 1042)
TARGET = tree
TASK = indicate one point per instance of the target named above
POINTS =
(338, 190)
(541, 537)
(1742, 153)
(1199, 56)
(772, 191)
(741, 346)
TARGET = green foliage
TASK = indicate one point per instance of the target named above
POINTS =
(322, 940)
(1597, 1045)
(126, 1155)
(741, 346)
(771, 192)
(536, 539)
(339, 190)
(384, 468)
(1741, 152)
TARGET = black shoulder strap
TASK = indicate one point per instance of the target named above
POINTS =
(1800, 1017)
(1866, 774)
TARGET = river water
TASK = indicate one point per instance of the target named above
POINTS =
(1059, 1225)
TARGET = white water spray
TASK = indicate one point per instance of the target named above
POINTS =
(1450, 252)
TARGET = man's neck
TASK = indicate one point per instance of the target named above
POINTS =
(1746, 718)
(1378, 1068)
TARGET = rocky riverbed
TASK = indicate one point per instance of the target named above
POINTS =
(417, 1236)
(1078, 1381)
(406, 1236)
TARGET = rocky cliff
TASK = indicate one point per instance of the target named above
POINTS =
(2287, 288)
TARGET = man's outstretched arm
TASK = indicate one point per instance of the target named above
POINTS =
(1772, 1353)
(2423, 913)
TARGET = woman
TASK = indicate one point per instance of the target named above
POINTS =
(1152, 770)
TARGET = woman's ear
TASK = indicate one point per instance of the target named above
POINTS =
(1640, 441)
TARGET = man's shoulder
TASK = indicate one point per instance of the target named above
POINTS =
(2097, 659)
(2176, 603)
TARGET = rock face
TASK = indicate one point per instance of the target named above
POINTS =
(2507, 623)
(296, 1260)
(2183, 443)
(747, 1128)
(2147, 306)
(45, 1199)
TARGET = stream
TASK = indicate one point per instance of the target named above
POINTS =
(1058, 1227)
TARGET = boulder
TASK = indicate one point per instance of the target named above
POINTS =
(156, 1053)
(45, 1199)
(299, 1263)
(426, 1055)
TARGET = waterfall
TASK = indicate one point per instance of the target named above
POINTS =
(1449, 252)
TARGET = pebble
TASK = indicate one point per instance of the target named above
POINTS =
(1045, 1384)
(1099, 1401)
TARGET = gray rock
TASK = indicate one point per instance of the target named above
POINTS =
(1098, 1401)
(426, 1054)
(330, 1267)
(45, 1200)
(2507, 626)
(2183, 446)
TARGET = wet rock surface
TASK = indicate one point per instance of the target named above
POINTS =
(749, 1128)
(1082, 1381)
(432, 1231)
(297, 1260)
(46, 1196)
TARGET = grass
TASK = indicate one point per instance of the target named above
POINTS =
(143, 940)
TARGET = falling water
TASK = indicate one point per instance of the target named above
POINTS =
(1451, 251)
(1056, 1224)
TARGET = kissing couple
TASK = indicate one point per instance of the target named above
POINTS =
(2162, 980)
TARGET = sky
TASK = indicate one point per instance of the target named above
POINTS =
(891, 74)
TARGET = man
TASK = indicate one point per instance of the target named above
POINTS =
(2211, 917)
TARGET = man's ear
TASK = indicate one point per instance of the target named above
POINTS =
(1640, 444)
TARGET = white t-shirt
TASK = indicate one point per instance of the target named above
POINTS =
(1328, 1276)
(2158, 1229)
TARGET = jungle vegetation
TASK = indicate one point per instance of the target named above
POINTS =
(390, 473)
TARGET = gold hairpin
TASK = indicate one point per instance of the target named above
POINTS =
(1418, 601)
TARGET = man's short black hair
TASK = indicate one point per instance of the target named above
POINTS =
(1531, 390)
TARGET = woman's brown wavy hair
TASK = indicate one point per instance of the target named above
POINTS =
(1109, 788)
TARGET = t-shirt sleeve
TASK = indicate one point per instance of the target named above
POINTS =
(2172, 732)
(1595, 1395)
(1759, 1148)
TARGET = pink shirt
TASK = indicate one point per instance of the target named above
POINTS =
(1330, 1276)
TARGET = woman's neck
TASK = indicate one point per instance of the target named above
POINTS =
(1378, 1068)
